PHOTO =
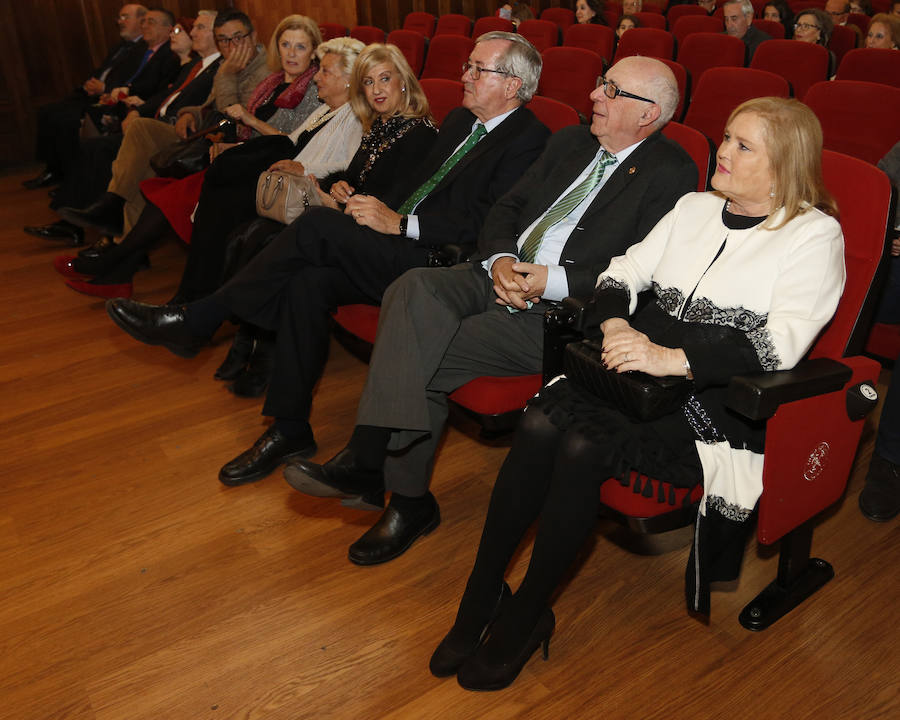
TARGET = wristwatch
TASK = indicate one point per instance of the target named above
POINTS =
(404, 221)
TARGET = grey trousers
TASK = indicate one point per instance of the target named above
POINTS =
(439, 328)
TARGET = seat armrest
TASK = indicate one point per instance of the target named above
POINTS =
(757, 397)
(562, 325)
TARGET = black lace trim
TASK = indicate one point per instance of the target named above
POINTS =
(608, 283)
(703, 310)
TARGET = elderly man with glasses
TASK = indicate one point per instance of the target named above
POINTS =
(592, 194)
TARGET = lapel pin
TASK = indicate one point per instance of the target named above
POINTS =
(632, 170)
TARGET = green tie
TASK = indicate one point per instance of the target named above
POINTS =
(563, 207)
(431, 182)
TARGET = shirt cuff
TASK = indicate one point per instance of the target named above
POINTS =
(557, 283)
(489, 263)
(412, 227)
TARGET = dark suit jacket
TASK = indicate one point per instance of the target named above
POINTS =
(454, 211)
(194, 94)
(122, 61)
(159, 71)
(639, 192)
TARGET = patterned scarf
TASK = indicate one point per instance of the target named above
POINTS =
(291, 96)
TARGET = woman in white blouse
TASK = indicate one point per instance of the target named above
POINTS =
(744, 279)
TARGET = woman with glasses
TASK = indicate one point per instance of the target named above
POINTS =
(742, 279)
(815, 26)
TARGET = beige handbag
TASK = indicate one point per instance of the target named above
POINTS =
(284, 197)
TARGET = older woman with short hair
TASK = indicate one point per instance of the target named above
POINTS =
(743, 279)
(884, 32)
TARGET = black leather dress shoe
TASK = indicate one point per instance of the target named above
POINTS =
(45, 179)
(340, 477)
(164, 325)
(268, 452)
(105, 214)
(98, 249)
(394, 532)
(62, 230)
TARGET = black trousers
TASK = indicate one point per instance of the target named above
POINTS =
(58, 125)
(227, 201)
(322, 260)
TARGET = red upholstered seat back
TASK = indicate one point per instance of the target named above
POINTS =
(489, 24)
(858, 118)
(681, 77)
(540, 33)
(721, 90)
(443, 95)
(695, 144)
(773, 29)
(421, 22)
(843, 40)
(446, 56)
(553, 113)
(679, 11)
(690, 24)
(801, 64)
(332, 30)
(646, 41)
(863, 196)
(871, 65)
(598, 38)
(368, 34)
(562, 17)
(412, 45)
(701, 51)
(570, 75)
(453, 24)
(651, 20)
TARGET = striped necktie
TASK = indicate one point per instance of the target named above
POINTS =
(564, 206)
(432, 182)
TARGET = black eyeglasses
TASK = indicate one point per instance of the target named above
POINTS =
(234, 39)
(476, 71)
(612, 91)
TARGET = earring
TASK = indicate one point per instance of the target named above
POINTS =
(347, 86)
(403, 89)
(772, 191)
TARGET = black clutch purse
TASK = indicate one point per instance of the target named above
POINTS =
(639, 396)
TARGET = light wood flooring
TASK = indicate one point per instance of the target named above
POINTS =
(133, 586)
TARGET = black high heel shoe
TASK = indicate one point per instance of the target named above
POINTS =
(479, 673)
(453, 651)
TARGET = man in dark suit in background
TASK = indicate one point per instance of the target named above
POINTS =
(327, 258)
(591, 195)
(57, 123)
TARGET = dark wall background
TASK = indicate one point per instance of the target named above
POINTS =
(50, 46)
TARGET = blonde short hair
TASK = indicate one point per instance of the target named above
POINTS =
(291, 22)
(892, 22)
(793, 138)
(347, 48)
(415, 104)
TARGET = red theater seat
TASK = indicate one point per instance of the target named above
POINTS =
(412, 45)
(646, 41)
(540, 33)
(443, 95)
(570, 75)
(598, 38)
(421, 22)
(554, 114)
(446, 56)
(801, 64)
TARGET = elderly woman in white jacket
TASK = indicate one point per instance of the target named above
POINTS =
(744, 279)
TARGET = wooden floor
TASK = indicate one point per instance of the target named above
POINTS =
(133, 586)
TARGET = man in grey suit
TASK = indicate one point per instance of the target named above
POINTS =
(590, 195)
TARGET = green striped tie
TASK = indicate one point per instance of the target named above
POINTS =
(564, 207)
(431, 182)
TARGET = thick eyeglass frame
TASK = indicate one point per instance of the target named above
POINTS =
(806, 26)
(476, 71)
(233, 39)
(613, 93)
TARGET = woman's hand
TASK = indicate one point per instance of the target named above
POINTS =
(326, 199)
(218, 148)
(373, 213)
(341, 191)
(238, 112)
(291, 167)
(624, 349)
